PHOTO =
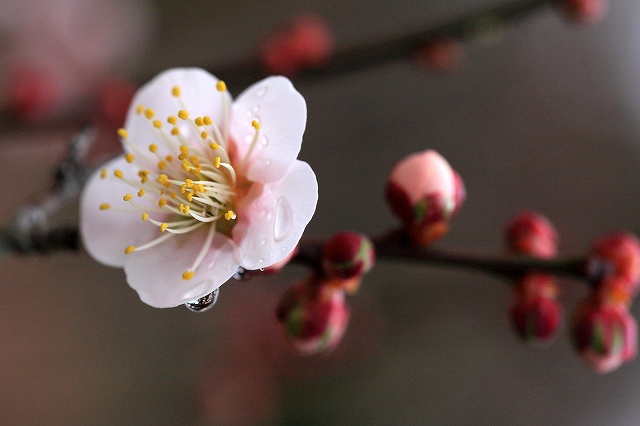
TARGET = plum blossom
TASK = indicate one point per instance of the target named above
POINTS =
(205, 186)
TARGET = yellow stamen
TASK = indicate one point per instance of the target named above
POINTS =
(183, 188)
(149, 113)
(162, 202)
(145, 216)
(127, 197)
(216, 162)
(187, 275)
(204, 135)
(103, 173)
(123, 133)
(157, 124)
(141, 192)
(118, 174)
(129, 157)
(169, 158)
(181, 207)
(255, 124)
(105, 206)
(175, 131)
(184, 149)
(139, 109)
(200, 187)
(207, 120)
(172, 119)
(214, 145)
(153, 147)
(185, 167)
(190, 196)
(199, 122)
(173, 194)
(183, 114)
(175, 91)
(129, 249)
(221, 86)
(229, 215)
(162, 165)
(187, 209)
(189, 183)
(164, 227)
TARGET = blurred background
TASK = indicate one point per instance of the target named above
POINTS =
(543, 115)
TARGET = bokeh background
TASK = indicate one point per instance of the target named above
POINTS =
(544, 115)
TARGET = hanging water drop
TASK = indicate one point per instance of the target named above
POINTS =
(204, 303)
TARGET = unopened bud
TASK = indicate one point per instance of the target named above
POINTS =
(314, 316)
(619, 252)
(441, 55)
(425, 193)
(535, 313)
(34, 93)
(604, 335)
(347, 256)
(532, 234)
(584, 11)
(305, 42)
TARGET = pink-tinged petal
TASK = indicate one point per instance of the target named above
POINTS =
(156, 273)
(199, 97)
(424, 173)
(106, 233)
(282, 114)
(271, 225)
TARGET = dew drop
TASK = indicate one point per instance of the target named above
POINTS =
(263, 242)
(261, 269)
(265, 140)
(262, 91)
(255, 110)
(261, 260)
(204, 303)
(283, 224)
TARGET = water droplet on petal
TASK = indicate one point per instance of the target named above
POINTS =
(255, 110)
(263, 242)
(262, 91)
(261, 260)
(265, 140)
(261, 269)
(283, 224)
(204, 303)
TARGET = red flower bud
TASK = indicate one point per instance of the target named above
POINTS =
(441, 55)
(536, 314)
(348, 256)
(306, 41)
(604, 335)
(33, 93)
(314, 316)
(425, 193)
(584, 11)
(532, 234)
(621, 252)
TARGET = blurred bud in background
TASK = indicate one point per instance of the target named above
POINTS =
(535, 313)
(618, 254)
(441, 55)
(532, 234)
(347, 256)
(424, 192)
(584, 11)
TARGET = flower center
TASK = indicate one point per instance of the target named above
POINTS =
(187, 177)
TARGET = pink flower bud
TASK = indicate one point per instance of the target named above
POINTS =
(532, 234)
(305, 42)
(425, 193)
(441, 55)
(348, 256)
(314, 316)
(621, 252)
(33, 93)
(604, 335)
(584, 11)
(536, 314)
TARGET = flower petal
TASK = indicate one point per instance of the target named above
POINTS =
(199, 97)
(156, 273)
(270, 227)
(282, 114)
(106, 233)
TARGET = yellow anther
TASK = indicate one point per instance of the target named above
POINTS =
(103, 173)
(172, 119)
(187, 275)
(118, 174)
(199, 121)
(173, 194)
(229, 215)
(157, 124)
(194, 159)
(214, 145)
(162, 192)
(141, 192)
(105, 206)
(145, 216)
(129, 157)
(204, 135)
(183, 188)
(162, 202)
(175, 131)
(181, 208)
(175, 91)
(183, 114)
(190, 196)
(169, 158)
(162, 178)
(207, 120)
(144, 179)
(164, 227)
(187, 209)
(153, 147)
(139, 109)
(123, 133)
(127, 197)
(162, 165)
(129, 249)
(200, 187)
(255, 124)
(196, 170)
(185, 167)
(189, 183)
(216, 162)
(184, 149)
(221, 86)
(149, 113)
(143, 173)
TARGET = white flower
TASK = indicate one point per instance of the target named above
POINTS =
(205, 186)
